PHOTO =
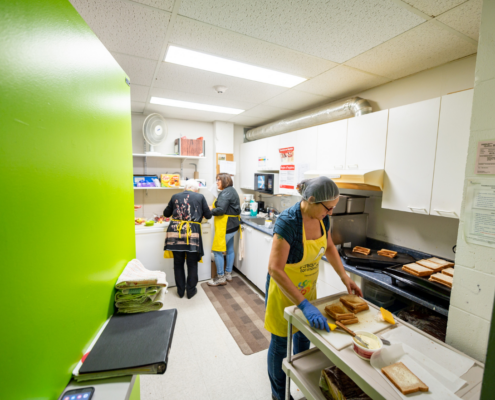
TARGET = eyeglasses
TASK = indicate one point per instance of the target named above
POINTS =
(326, 208)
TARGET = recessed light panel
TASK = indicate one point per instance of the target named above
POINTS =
(194, 106)
(195, 59)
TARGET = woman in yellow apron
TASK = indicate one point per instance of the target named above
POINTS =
(184, 242)
(301, 239)
(226, 209)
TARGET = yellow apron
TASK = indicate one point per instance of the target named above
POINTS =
(303, 275)
(170, 254)
(219, 243)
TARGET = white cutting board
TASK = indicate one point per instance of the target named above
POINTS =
(338, 339)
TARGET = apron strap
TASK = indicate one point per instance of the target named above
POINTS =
(188, 228)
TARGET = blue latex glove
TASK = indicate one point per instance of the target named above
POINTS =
(313, 315)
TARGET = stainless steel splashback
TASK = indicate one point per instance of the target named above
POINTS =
(349, 228)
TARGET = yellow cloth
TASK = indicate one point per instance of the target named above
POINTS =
(170, 254)
(219, 243)
(303, 275)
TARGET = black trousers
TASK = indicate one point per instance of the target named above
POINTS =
(192, 272)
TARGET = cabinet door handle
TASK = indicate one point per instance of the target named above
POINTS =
(352, 166)
(249, 229)
(338, 166)
(418, 208)
(445, 212)
(268, 239)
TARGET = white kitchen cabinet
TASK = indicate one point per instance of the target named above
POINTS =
(257, 247)
(367, 141)
(268, 149)
(410, 156)
(306, 146)
(331, 148)
(248, 165)
(289, 140)
(247, 264)
(452, 149)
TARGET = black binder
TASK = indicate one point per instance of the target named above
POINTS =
(132, 341)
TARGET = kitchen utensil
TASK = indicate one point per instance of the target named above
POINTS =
(373, 260)
(261, 206)
(366, 352)
(385, 341)
(196, 173)
(342, 326)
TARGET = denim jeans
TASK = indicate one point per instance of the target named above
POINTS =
(277, 352)
(229, 239)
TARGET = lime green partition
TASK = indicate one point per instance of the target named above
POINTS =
(67, 200)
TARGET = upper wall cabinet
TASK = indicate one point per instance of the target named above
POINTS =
(366, 141)
(410, 156)
(332, 139)
(306, 145)
(267, 151)
(248, 164)
(452, 150)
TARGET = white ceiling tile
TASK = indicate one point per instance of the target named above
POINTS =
(423, 47)
(166, 5)
(192, 80)
(334, 30)
(265, 111)
(466, 18)
(214, 99)
(434, 7)
(247, 121)
(224, 43)
(295, 100)
(184, 113)
(340, 82)
(125, 27)
(139, 93)
(140, 70)
(137, 106)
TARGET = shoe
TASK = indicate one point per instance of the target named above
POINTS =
(190, 296)
(180, 295)
(228, 276)
(217, 281)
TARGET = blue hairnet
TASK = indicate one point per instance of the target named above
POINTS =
(321, 189)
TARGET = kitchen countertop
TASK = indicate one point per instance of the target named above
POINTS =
(385, 281)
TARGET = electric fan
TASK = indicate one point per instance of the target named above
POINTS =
(154, 131)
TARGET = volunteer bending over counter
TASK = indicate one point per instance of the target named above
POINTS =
(301, 238)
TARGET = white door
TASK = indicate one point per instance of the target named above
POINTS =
(263, 248)
(268, 149)
(204, 268)
(330, 152)
(366, 141)
(452, 149)
(410, 156)
(306, 146)
(246, 264)
(249, 164)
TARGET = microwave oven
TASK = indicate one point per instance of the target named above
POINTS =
(266, 183)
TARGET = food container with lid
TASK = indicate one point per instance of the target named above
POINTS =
(355, 204)
(363, 352)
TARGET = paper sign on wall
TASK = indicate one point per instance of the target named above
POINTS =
(287, 179)
(227, 167)
(479, 213)
(286, 155)
(262, 162)
(485, 158)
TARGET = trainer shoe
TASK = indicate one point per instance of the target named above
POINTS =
(228, 276)
(217, 281)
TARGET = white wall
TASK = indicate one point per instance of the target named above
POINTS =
(473, 292)
(155, 201)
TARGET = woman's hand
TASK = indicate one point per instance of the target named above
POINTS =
(351, 286)
(314, 316)
(211, 207)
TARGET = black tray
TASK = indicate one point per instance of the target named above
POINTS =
(418, 282)
(373, 260)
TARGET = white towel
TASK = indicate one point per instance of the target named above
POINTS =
(135, 275)
(241, 246)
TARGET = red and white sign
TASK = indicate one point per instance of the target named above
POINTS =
(286, 155)
(287, 178)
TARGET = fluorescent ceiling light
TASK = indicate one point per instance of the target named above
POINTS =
(194, 106)
(194, 59)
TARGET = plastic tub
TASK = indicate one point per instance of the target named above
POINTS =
(363, 352)
(377, 294)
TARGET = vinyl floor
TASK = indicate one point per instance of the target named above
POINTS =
(205, 362)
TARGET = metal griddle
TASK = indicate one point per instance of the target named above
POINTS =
(373, 260)
(419, 282)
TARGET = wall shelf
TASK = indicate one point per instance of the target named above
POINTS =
(168, 156)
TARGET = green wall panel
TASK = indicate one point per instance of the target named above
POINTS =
(66, 169)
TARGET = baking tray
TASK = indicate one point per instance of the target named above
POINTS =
(418, 282)
(373, 260)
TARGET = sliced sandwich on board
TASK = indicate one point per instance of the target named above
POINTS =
(354, 303)
(417, 270)
(431, 265)
(338, 312)
(404, 379)
(443, 279)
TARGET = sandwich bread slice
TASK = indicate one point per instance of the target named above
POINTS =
(441, 262)
(443, 279)
(354, 303)
(386, 253)
(349, 321)
(431, 265)
(361, 250)
(338, 312)
(417, 270)
(404, 379)
(448, 271)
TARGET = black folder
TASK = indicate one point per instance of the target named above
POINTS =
(130, 341)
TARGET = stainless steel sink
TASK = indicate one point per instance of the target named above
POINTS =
(259, 221)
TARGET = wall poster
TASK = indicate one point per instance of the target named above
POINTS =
(479, 212)
(286, 155)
